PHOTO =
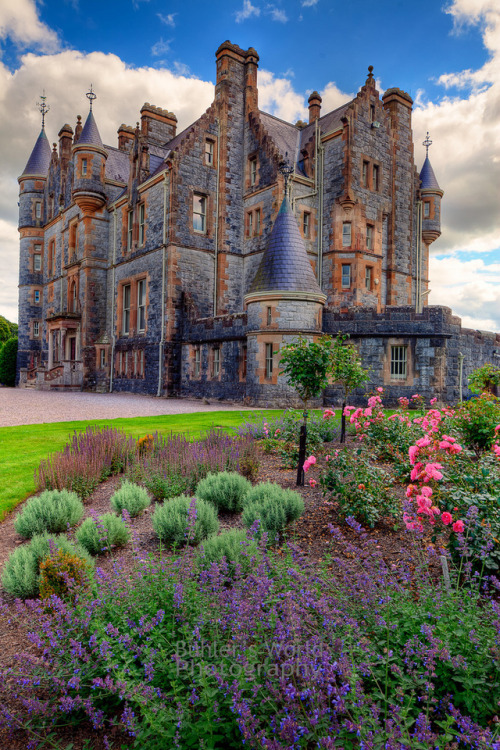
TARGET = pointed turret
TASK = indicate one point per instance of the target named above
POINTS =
(285, 266)
(39, 161)
(89, 157)
(90, 133)
(427, 177)
(431, 195)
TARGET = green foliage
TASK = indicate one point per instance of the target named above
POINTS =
(346, 369)
(52, 511)
(482, 536)
(174, 524)
(226, 490)
(8, 358)
(307, 366)
(21, 574)
(485, 378)
(64, 575)
(130, 497)
(475, 422)
(389, 437)
(360, 489)
(164, 486)
(239, 552)
(273, 506)
(5, 330)
(101, 535)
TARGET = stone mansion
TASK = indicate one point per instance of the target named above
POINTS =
(179, 263)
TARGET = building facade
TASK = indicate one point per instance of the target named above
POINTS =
(180, 263)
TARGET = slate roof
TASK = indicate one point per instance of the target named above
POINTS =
(285, 265)
(90, 133)
(117, 164)
(428, 177)
(39, 161)
(286, 137)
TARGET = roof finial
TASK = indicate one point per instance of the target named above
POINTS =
(427, 143)
(286, 168)
(43, 107)
(370, 71)
(91, 96)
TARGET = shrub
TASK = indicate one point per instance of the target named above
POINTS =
(233, 546)
(166, 486)
(475, 422)
(273, 506)
(226, 490)
(130, 497)
(485, 378)
(360, 489)
(185, 520)
(8, 357)
(100, 535)
(52, 511)
(62, 574)
(21, 574)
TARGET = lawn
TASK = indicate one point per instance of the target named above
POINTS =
(22, 448)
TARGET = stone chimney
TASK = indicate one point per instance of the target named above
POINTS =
(314, 106)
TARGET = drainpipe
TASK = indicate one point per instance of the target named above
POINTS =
(216, 246)
(113, 335)
(461, 358)
(163, 275)
(418, 274)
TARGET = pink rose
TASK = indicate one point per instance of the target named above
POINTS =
(413, 453)
(381, 390)
(446, 518)
(312, 483)
(308, 463)
(458, 527)
(433, 400)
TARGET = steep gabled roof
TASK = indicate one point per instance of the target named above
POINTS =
(286, 137)
(90, 133)
(285, 266)
(428, 177)
(38, 163)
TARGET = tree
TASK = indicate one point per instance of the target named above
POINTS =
(484, 379)
(346, 371)
(8, 357)
(307, 365)
(5, 330)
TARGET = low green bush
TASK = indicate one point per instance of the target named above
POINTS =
(98, 536)
(52, 511)
(226, 490)
(475, 422)
(64, 575)
(130, 497)
(233, 546)
(172, 522)
(273, 506)
(21, 574)
(8, 357)
(165, 486)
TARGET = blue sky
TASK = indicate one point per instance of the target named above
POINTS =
(447, 56)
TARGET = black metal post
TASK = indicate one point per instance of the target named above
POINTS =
(302, 455)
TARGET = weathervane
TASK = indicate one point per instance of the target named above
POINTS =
(91, 96)
(427, 143)
(286, 169)
(43, 107)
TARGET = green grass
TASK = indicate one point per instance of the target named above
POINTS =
(22, 448)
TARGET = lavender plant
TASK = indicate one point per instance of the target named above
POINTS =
(272, 506)
(184, 520)
(130, 497)
(101, 534)
(52, 511)
(226, 490)
(233, 549)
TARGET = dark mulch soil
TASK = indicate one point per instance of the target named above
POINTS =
(310, 534)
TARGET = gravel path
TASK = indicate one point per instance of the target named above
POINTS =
(20, 406)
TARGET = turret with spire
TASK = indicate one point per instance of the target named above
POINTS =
(89, 157)
(431, 195)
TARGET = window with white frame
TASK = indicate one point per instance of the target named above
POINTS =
(38, 210)
(364, 174)
(346, 234)
(37, 261)
(398, 362)
(257, 222)
(249, 224)
(369, 236)
(253, 171)
(269, 360)
(130, 229)
(306, 224)
(368, 277)
(346, 275)
(142, 216)
(36, 329)
(199, 213)
(427, 209)
(84, 167)
(215, 362)
(209, 152)
(141, 305)
(37, 296)
(126, 310)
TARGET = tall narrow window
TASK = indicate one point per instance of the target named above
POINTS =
(346, 234)
(199, 213)
(130, 229)
(243, 362)
(73, 301)
(253, 171)
(84, 167)
(141, 305)
(376, 177)
(269, 315)
(427, 209)
(55, 346)
(369, 237)
(103, 358)
(38, 210)
(126, 310)
(36, 329)
(364, 174)
(346, 276)
(372, 113)
(209, 152)
(37, 297)
(125, 365)
(37, 262)
(142, 215)
(398, 362)
(215, 362)
(250, 224)
(197, 362)
(269, 360)
(141, 363)
(306, 224)
(257, 222)
(368, 278)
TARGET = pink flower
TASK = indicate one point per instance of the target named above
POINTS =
(328, 457)
(413, 453)
(446, 518)
(444, 445)
(380, 390)
(497, 428)
(432, 471)
(433, 401)
(368, 412)
(312, 483)
(410, 490)
(328, 413)
(458, 527)
(308, 463)
(425, 491)
(424, 442)
(277, 432)
(415, 472)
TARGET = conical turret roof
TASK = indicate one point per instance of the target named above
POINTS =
(428, 177)
(285, 266)
(90, 133)
(39, 161)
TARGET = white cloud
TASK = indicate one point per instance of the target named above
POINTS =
(277, 14)
(309, 3)
(333, 97)
(181, 68)
(161, 47)
(246, 12)
(168, 19)
(277, 96)
(20, 23)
